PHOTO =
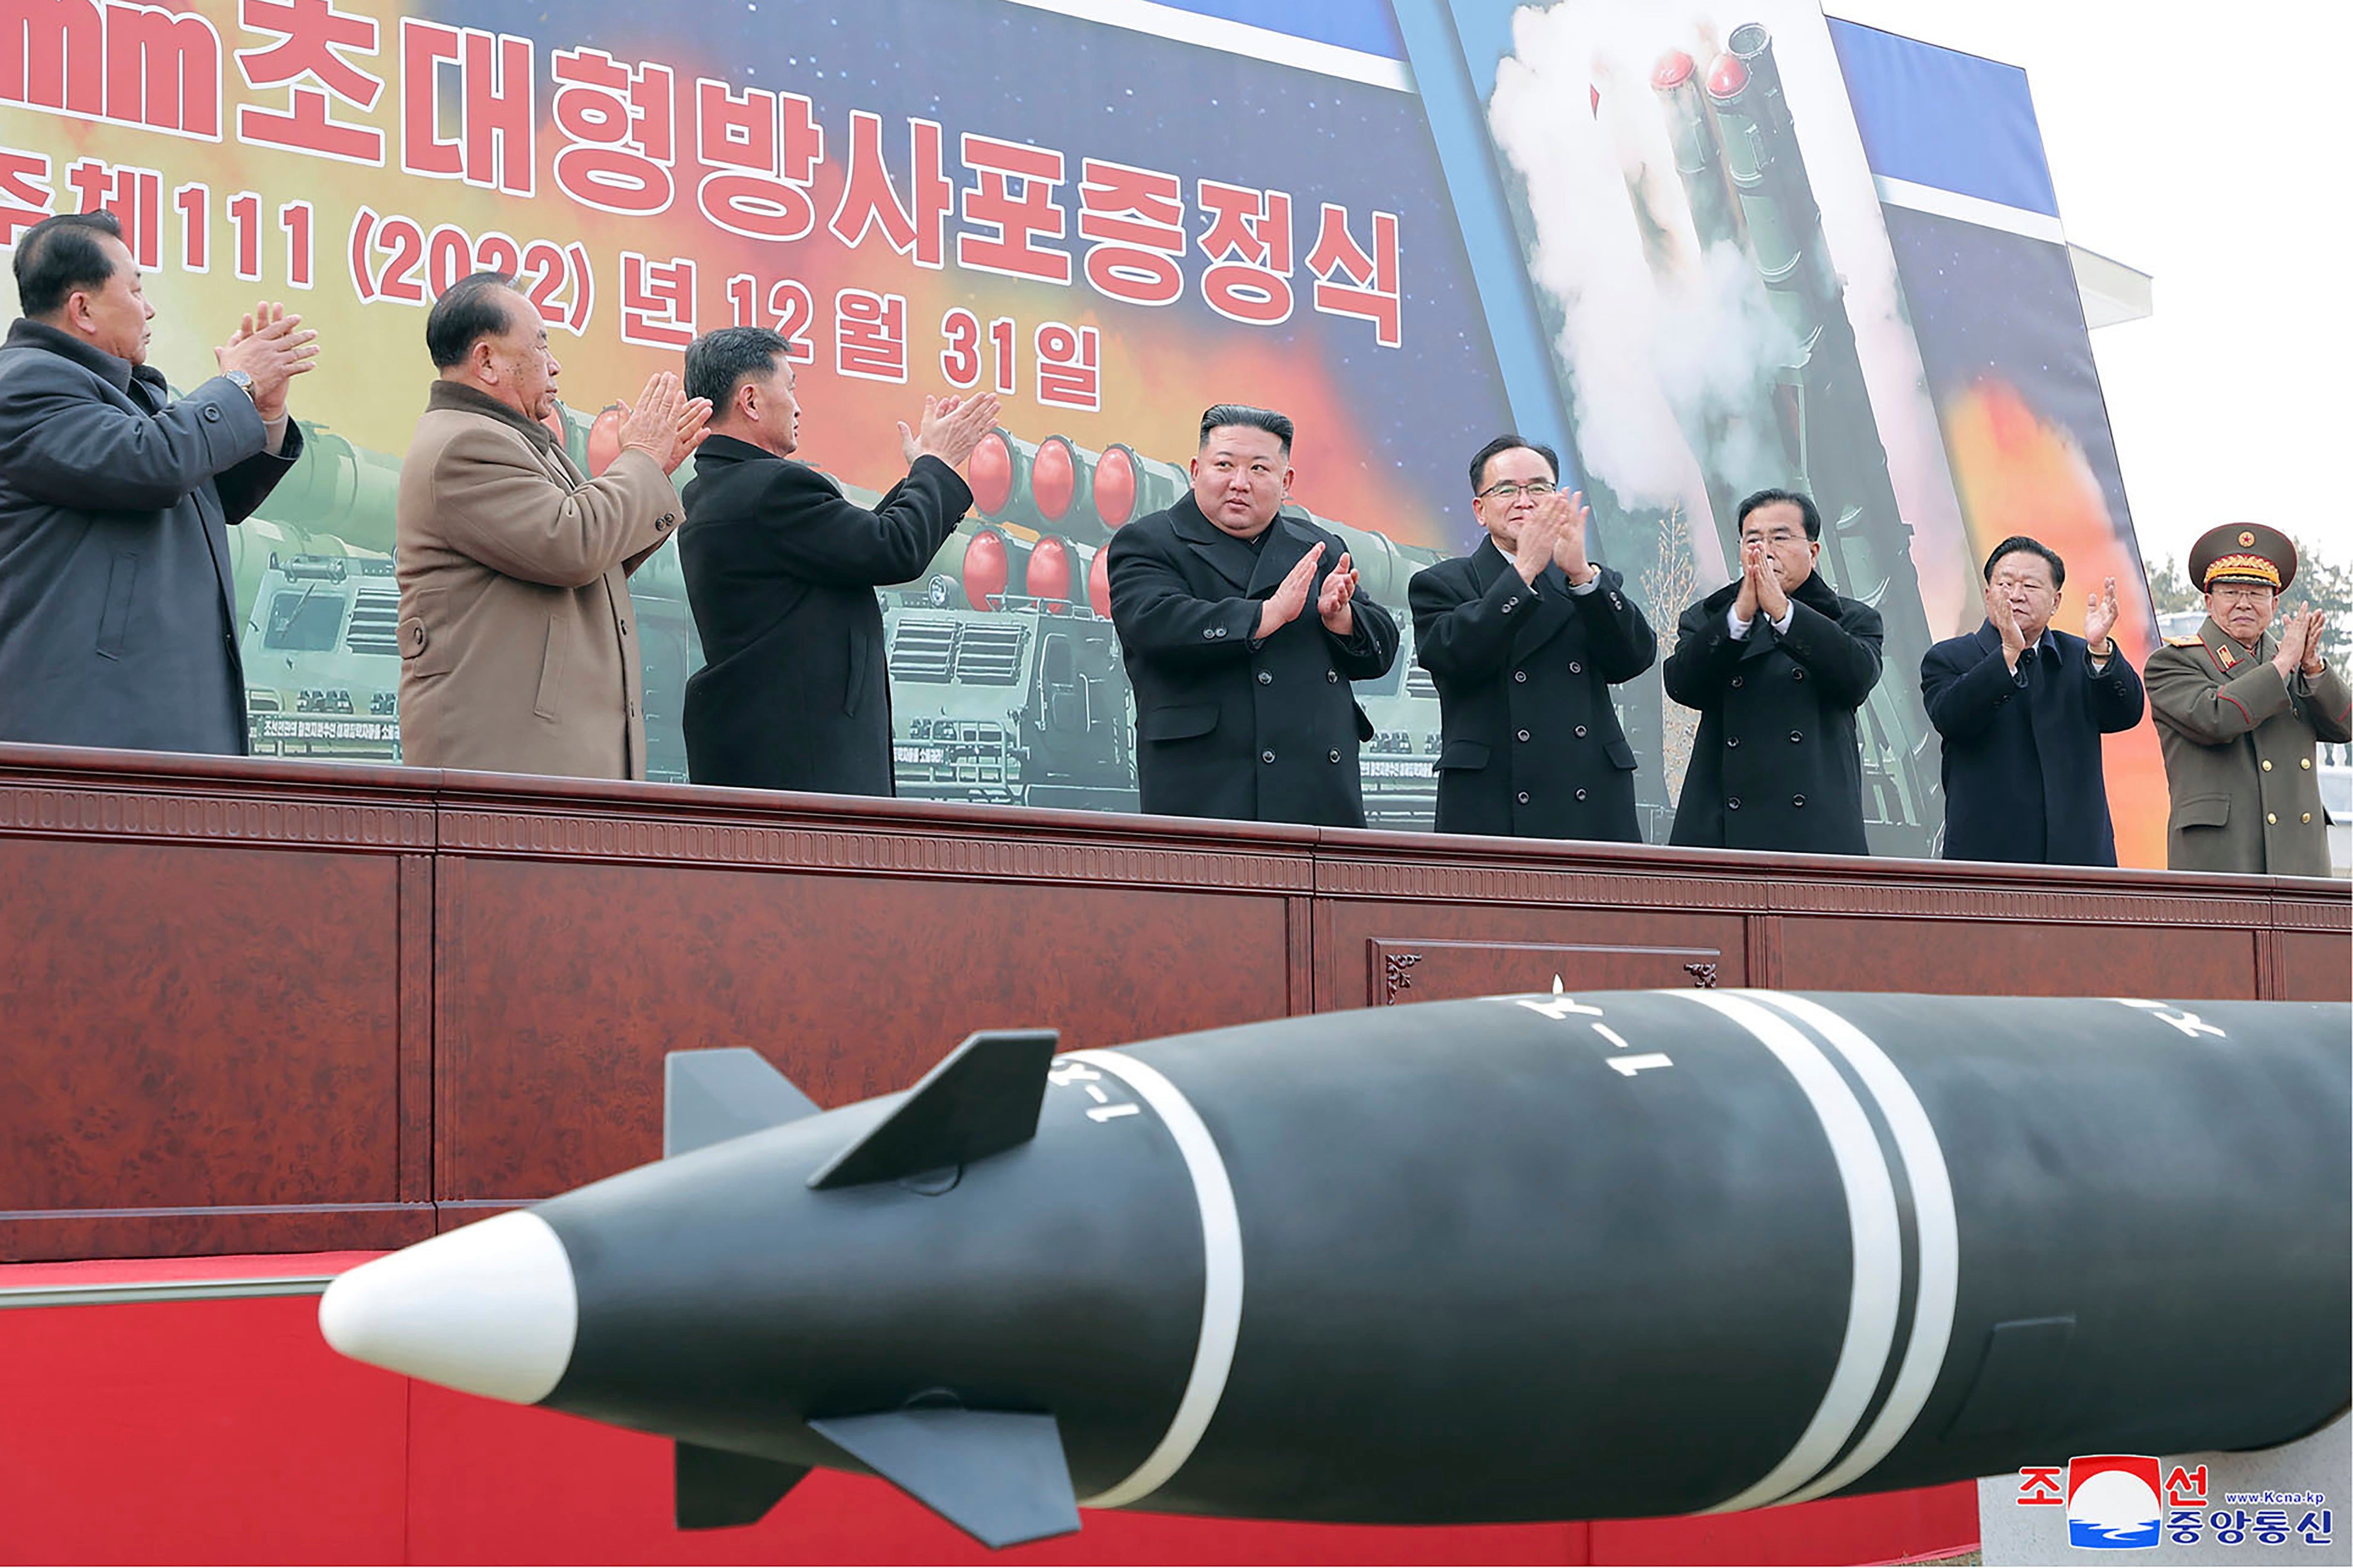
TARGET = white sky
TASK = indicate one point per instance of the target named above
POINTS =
(2207, 146)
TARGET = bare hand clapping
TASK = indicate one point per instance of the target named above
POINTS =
(1333, 603)
(272, 347)
(2100, 617)
(664, 423)
(950, 428)
(2005, 621)
(1290, 598)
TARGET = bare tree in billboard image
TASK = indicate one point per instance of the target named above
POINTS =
(1707, 250)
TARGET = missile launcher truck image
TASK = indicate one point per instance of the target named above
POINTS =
(1804, 421)
(1007, 683)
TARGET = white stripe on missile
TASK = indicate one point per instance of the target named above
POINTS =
(1935, 1229)
(490, 1308)
(1221, 1277)
(1877, 1244)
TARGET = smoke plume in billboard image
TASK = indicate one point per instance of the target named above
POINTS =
(1703, 234)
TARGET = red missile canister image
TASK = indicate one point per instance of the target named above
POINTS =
(1514, 1258)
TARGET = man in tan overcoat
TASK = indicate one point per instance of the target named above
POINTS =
(518, 643)
(2238, 707)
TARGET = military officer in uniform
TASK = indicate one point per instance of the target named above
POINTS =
(2238, 707)
(1241, 630)
(1524, 638)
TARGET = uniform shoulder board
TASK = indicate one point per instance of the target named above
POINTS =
(2185, 642)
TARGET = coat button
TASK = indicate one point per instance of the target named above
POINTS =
(1330, 756)
(1524, 798)
(1221, 631)
(1580, 795)
(1732, 804)
(1523, 734)
(1520, 676)
(212, 413)
(1797, 800)
(2272, 818)
(1737, 681)
(1266, 756)
(1574, 668)
(1581, 732)
(1732, 740)
(1796, 675)
(1796, 736)
(1265, 677)
(1209, 631)
(1507, 605)
(2307, 817)
(1333, 676)
(2267, 764)
(2306, 763)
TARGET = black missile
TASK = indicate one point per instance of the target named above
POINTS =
(1517, 1259)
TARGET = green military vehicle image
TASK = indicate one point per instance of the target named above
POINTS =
(1007, 683)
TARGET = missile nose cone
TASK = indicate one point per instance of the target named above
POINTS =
(489, 1310)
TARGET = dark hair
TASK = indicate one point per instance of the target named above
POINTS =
(1805, 505)
(717, 362)
(2017, 543)
(1275, 425)
(467, 312)
(59, 255)
(1507, 442)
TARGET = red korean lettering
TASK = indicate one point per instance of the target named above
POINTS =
(869, 335)
(1248, 243)
(763, 149)
(621, 123)
(870, 200)
(496, 100)
(1068, 362)
(2039, 1486)
(656, 301)
(1351, 281)
(25, 196)
(1012, 199)
(1134, 219)
(319, 42)
(2185, 1489)
(135, 198)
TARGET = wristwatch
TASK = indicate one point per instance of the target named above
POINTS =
(244, 383)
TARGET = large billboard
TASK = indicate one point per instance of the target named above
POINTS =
(1409, 226)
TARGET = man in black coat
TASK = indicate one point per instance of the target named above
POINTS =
(1241, 630)
(1777, 662)
(1524, 637)
(2021, 707)
(781, 572)
(118, 610)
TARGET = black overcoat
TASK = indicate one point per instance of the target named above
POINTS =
(1226, 727)
(2023, 780)
(118, 607)
(1777, 763)
(1531, 746)
(780, 574)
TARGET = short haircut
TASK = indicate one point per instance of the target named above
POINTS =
(1805, 505)
(61, 254)
(2017, 543)
(1507, 442)
(717, 362)
(1275, 425)
(471, 309)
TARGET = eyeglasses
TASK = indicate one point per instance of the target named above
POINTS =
(1510, 490)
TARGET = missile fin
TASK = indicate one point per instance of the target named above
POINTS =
(983, 1099)
(709, 1097)
(998, 1476)
(712, 1488)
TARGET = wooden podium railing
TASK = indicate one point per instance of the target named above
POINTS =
(259, 1007)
